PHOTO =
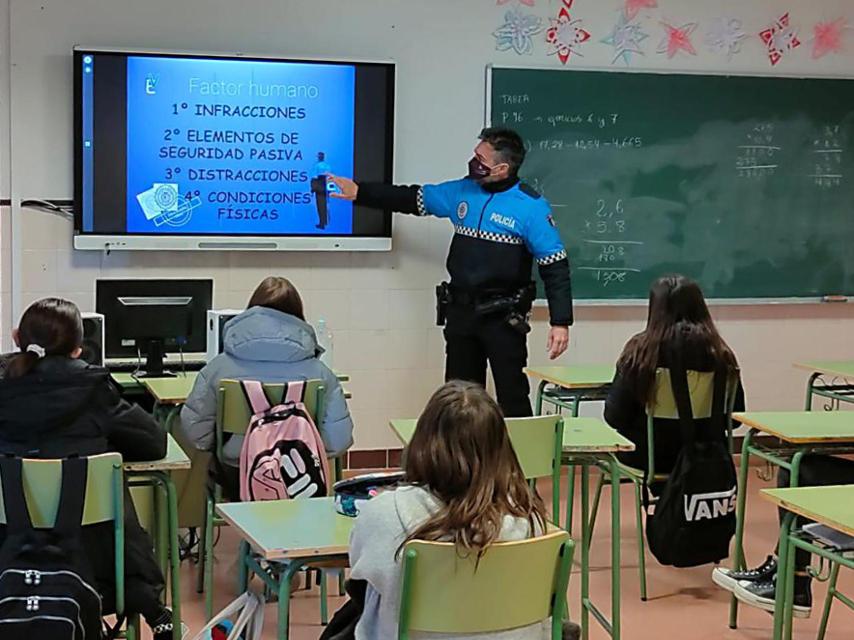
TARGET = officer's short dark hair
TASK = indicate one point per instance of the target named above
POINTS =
(508, 144)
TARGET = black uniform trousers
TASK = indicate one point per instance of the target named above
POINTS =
(472, 341)
(318, 187)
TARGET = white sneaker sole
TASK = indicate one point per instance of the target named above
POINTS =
(748, 598)
(722, 578)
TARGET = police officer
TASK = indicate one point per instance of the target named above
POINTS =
(501, 227)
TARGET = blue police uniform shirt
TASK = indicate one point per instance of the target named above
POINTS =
(497, 233)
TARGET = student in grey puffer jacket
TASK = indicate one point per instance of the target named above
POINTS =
(270, 342)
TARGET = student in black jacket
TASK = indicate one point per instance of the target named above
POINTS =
(677, 315)
(53, 405)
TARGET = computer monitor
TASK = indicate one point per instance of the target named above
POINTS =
(153, 317)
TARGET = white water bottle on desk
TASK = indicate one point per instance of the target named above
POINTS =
(325, 342)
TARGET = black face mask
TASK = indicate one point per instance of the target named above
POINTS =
(478, 170)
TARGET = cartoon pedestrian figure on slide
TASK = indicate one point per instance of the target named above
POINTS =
(320, 190)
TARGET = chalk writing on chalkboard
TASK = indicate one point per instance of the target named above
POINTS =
(607, 250)
(827, 154)
(756, 157)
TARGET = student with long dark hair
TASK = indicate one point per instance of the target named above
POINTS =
(54, 405)
(463, 485)
(678, 319)
(270, 342)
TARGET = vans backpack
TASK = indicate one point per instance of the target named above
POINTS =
(694, 519)
(282, 455)
(46, 590)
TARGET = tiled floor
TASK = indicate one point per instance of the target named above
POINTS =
(683, 602)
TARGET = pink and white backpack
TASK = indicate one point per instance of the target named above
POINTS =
(283, 455)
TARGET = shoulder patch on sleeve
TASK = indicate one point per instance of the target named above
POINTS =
(528, 190)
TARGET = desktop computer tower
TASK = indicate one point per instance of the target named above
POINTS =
(216, 322)
(93, 339)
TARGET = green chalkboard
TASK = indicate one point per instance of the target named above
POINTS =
(743, 183)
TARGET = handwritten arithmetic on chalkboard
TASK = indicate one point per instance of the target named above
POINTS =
(743, 183)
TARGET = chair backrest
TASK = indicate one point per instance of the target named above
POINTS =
(700, 389)
(104, 500)
(538, 442)
(234, 412)
(701, 385)
(514, 584)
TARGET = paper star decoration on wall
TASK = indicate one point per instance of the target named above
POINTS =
(780, 38)
(517, 32)
(530, 3)
(725, 36)
(827, 37)
(677, 39)
(626, 38)
(633, 7)
(565, 35)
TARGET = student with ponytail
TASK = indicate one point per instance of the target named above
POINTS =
(54, 405)
(463, 485)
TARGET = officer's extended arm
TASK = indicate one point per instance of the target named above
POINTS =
(431, 199)
(404, 199)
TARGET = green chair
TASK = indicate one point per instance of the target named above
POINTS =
(663, 405)
(514, 584)
(233, 414)
(538, 443)
(104, 502)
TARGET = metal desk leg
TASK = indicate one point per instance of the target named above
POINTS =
(615, 548)
(161, 526)
(284, 603)
(174, 411)
(585, 549)
(810, 386)
(174, 551)
(243, 569)
(784, 569)
(539, 398)
(738, 553)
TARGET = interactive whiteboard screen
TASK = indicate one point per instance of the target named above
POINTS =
(208, 152)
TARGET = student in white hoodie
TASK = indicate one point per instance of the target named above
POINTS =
(463, 485)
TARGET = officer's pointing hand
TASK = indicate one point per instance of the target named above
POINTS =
(347, 189)
(558, 341)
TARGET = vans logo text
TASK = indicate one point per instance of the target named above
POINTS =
(707, 506)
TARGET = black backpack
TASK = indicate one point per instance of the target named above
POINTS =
(46, 589)
(694, 519)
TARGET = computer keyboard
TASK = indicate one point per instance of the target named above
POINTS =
(129, 366)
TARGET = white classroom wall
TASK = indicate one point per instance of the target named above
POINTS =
(380, 305)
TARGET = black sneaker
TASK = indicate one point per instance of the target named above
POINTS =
(729, 579)
(763, 595)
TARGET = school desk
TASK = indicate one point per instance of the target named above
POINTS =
(571, 385)
(586, 442)
(831, 506)
(157, 473)
(832, 379)
(801, 433)
(291, 534)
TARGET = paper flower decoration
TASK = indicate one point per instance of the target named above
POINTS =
(725, 36)
(517, 32)
(625, 38)
(565, 34)
(827, 37)
(677, 39)
(633, 7)
(780, 38)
